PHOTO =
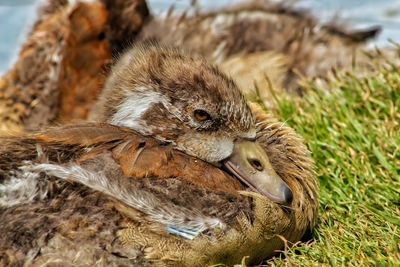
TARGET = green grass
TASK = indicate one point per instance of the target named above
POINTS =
(352, 127)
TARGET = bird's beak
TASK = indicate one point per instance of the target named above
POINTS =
(251, 165)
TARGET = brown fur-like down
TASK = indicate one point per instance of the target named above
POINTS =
(308, 47)
(74, 224)
(60, 68)
(156, 90)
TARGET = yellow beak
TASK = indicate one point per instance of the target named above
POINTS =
(251, 165)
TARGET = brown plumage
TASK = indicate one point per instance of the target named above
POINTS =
(309, 47)
(156, 91)
(56, 75)
(59, 71)
(103, 194)
(70, 222)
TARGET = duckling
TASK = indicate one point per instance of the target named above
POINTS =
(177, 99)
(145, 184)
(305, 46)
(56, 76)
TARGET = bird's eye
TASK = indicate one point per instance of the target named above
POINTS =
(201, 115)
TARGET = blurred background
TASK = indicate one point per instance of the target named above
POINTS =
(17, 16)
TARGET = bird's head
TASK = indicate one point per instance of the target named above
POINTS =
(163, 93)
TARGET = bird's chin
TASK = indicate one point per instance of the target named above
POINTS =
(251, 166)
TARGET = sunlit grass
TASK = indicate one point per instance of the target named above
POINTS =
(352, 126)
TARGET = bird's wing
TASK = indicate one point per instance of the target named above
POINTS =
(176, 190)
(131, 200)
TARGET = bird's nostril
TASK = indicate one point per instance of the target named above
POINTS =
(288, 194)
(256, 164)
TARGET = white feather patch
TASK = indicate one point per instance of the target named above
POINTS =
(136, 104)
(21, 187)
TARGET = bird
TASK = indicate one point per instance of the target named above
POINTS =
(297, 42)
(175, 168)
